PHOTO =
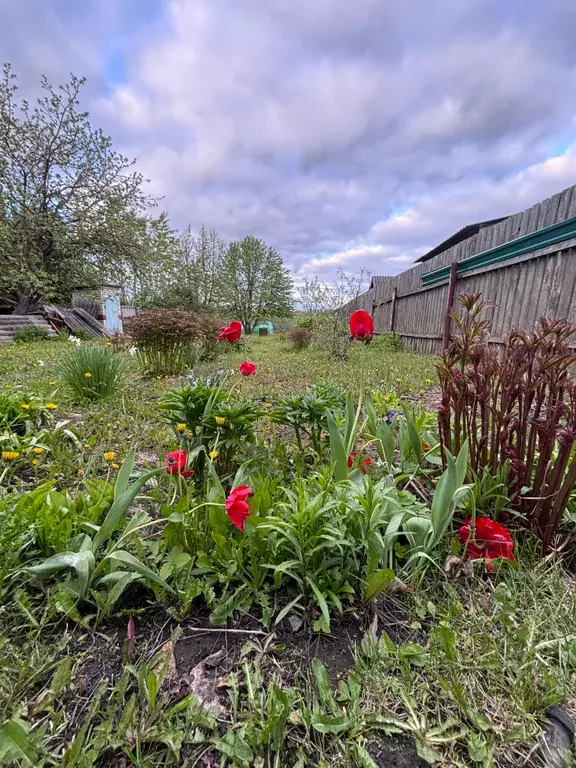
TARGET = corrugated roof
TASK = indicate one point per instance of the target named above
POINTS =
(457, 237)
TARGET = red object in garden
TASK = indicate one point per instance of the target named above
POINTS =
(366, 462)
(361, 325)
(231, 333)
(236, 507)
(176, 464)
(486, 540)
(247, 368)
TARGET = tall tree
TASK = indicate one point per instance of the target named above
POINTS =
(202, 259)
(67, 198)
(255, 285)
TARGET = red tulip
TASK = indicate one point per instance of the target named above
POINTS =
(487, 540)
(361, 325)
(231, 333)
(236, 507)
(176, 464)
(247, 368)
(366, 462)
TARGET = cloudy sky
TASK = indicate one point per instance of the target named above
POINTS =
(346, 133)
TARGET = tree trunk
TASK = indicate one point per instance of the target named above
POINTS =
(28, 301)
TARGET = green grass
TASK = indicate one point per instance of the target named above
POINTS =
(485, 655)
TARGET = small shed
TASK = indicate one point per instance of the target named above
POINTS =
(103, 302)
(263, 329)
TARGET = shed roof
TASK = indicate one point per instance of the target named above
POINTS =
(378, 280)
(457, 237)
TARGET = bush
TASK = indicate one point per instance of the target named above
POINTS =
(92, 373)
(331, 334)
(306, 322)
(171, 341)
(517, 410)
(388, 341)
(300, 338)
(29, 333)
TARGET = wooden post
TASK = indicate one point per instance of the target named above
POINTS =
(393, 309)
(449, 303)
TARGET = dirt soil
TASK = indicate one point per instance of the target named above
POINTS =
(397, 752)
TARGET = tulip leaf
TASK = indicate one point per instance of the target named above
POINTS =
(127, 559)
(81, 562)
(338, 453)
(118, 510)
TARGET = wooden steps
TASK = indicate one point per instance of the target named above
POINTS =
(9, 324)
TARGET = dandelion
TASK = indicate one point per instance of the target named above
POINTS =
(88, 375)
(80, 473)
(214, 454)
(10, 455)
(158, 377)
(115, 466)
(110, 455)
(428, 381)
(108, 343)
(267, 405)
(34, 461)
(181, 427)
(25, 406)
(8, 386)
(398, 381)
(382, 381)
(51, 406)
(220, 420)
(52, 381)
(38, 450)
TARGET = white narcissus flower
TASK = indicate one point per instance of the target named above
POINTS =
(41, 363)
(133, 350)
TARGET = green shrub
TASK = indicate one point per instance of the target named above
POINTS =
(388, 341)
(171, 341)
(305, 322)
(29, 333)
(92, 373)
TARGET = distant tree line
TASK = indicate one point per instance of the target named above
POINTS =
(73, 211)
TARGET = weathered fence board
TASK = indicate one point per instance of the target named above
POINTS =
(518, 290)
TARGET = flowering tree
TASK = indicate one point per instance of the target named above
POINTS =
(255, 285)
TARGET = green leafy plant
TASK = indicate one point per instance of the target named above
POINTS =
(307, 414)
(22, 413)
(100, 560)
(30, 333)
(92, 373)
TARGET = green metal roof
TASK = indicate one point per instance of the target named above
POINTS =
(555, 233)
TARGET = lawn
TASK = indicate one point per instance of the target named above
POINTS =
(293, 593)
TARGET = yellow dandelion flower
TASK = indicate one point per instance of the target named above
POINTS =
(181, 427)
(80, 473)
(10, 455)
(51, 406)
(38, 450)
(108, 343)
(25, 406)
(115, 466)
(52, 381)
(110, 455)
(267, 405)
(8, 386)
(214, 454)
(382, 381)
(428, 381)
(34, 461)
(220, 420)
(158, 377)
(88, 375)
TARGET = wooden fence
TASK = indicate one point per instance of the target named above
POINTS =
(532, 276)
